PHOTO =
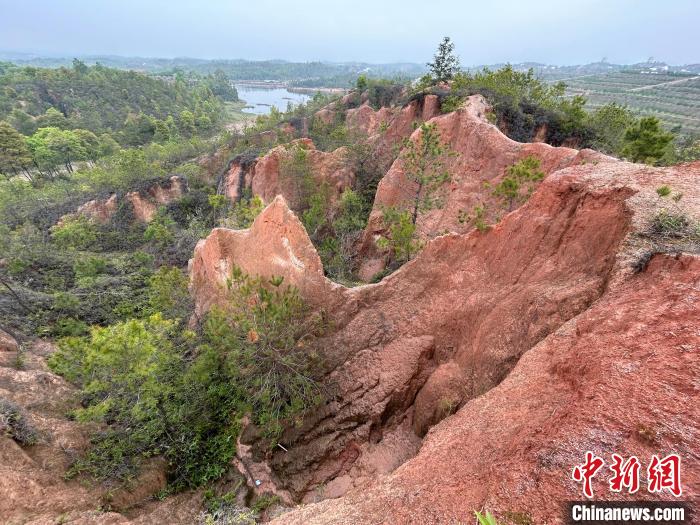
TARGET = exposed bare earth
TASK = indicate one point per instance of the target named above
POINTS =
(556, 282)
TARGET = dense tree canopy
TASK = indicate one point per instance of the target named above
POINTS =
(100, 99)
(14, 153)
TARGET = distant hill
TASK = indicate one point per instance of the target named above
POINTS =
(601, 82)
(102, 99)
(310, 74)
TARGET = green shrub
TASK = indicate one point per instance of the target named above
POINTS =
(161, 230)
(25, 248)
(647, 142)
(160, 390)
(69, 327)
(352, 213)
(486, 519)
(244, 212)
(316, 215)
(296, 178)
(335, 231)
(228, 513)
(663, 191)
(609, 123)
(451, 103)
(520, 181)
(264, 502)
(266, 331)
(400, 238)
(77, 232)
(477, 218)
(89, 267)
(671, 224)
(168, 293)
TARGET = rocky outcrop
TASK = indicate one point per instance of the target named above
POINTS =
(265, 177)
(237, 177)
(385, 128)
(326, 116)
(143, 203)
(389, 126)
(275, 245)
(481, 155)
(99, 210)
(451, 324)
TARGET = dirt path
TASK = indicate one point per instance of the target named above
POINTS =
(652, 86)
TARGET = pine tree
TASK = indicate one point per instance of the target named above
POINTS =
(646, 141)
(423, 163)
(445, 63)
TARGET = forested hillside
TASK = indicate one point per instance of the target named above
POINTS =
(132, 107)
(312, 74)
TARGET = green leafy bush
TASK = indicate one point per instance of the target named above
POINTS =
(265, 332)
(77, 232)
(663, 191)
(477, 218)
(244, 212)
(486, 519)
(647, 142)
(671, 224)
(157, 389)
(296, 178)
(89, 267)
(316, 216)
(352, 213)
(161, 230)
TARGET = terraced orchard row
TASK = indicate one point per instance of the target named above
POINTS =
(673, 98)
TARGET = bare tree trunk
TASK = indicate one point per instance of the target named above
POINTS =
(416, 204)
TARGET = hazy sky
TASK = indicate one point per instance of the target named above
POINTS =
(485, 31)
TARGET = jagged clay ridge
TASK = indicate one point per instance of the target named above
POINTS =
(482, 155)
(620, 377)
(262, 176)
(451, 325)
